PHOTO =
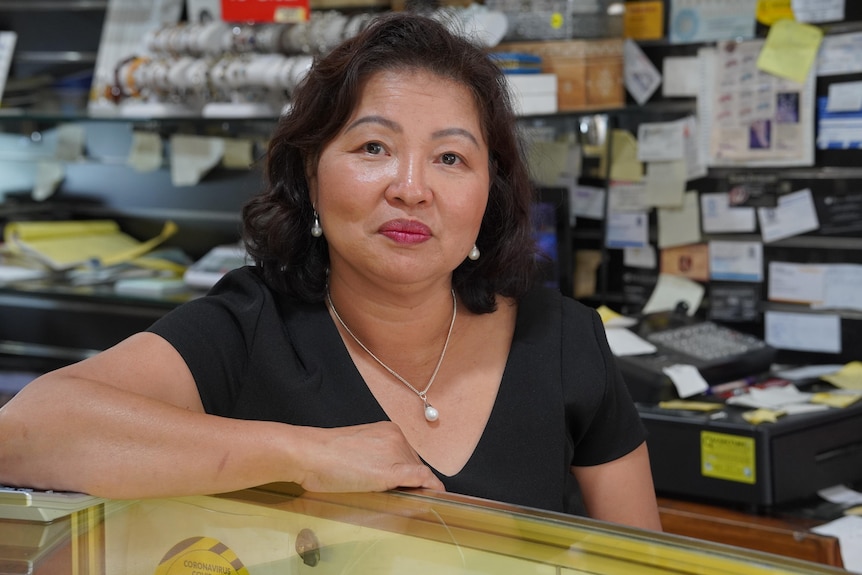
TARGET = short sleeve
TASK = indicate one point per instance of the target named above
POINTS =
(215, 334)
(602, 418)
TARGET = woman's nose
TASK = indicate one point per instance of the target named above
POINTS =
(410, 182)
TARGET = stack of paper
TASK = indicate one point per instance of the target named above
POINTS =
(64, 245)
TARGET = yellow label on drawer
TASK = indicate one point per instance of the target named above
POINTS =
(726, 456)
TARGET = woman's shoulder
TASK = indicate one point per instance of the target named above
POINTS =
(541, 300)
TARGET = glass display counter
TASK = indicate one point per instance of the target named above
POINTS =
(277, 530)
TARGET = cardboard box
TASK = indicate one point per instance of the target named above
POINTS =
(589, 72)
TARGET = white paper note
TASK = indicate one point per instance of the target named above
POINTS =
(641, 77)
(145, 154)
(680, 226)
(623, 341)
(644, 258)
(681, 77)
(794, 215)
(671, 290)
(660, 141)
(626, 197)
(192, 157)
(588, 202)
(665, 184)
(796, 283)
(818, 10)
(736, 261)
(686, 379)
(718, 216)
(842, 287)
(803, 331)
(848, 530)
(627, 229)
(844, 97)
(7, 49)
(706, 20)
(838, 54)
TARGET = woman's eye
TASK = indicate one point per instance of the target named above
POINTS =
(373, 148)
(450, 159)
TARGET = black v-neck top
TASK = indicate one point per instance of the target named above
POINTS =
(256, 354)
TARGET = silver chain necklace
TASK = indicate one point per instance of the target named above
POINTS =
(431, 413)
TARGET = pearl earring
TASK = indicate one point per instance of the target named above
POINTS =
(316, 230)
(474, 253)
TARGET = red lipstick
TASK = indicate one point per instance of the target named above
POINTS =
(406, 231)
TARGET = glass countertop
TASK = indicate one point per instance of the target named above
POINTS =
(278, 529)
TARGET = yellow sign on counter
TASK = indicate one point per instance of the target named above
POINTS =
(727, 456)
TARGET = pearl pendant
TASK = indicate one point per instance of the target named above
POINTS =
(431, 413)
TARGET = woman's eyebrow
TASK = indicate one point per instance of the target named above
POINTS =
(375, 120)
(395, 127)
(456, 132)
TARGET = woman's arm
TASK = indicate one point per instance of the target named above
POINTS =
(621, 491)
(129, 423)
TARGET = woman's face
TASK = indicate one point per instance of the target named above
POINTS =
(402, 189)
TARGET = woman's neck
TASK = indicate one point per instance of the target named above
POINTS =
(399, 327)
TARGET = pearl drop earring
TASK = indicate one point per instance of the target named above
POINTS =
(316, 230)
(474, 253)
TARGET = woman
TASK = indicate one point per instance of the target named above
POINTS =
(389, 335)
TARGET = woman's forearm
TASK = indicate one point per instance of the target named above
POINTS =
(79, 435)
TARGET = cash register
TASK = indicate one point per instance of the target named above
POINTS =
(718, 455)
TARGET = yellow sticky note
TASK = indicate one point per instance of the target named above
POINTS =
(625, 165)
(690, 405)
(790, 50)
(607, 313)
(763, 415)
(771, 11)
(836, 399)
(848, 377)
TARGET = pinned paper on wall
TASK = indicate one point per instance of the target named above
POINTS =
(794, 215)
(750, 117)
(661, 141)
(790, 50)
(7, 49)
(627, 229)
(694, 21)
(736, 261)
(625, 165)
(644, 258)
(681, 77)
(718, 216)
(641, 77)
(814, 332)
(680, 226)
(818, 10)
(838, 54)
(665, 184)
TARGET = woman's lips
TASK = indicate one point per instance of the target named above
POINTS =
(406, 231)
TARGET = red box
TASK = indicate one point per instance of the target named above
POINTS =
(259, 11)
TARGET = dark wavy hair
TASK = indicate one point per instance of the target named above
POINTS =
(277, 222)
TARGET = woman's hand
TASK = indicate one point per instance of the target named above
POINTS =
(370, 457)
